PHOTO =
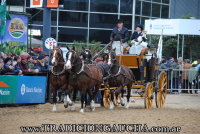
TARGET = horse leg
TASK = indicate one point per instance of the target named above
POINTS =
(73, 107)
(83, 92)
(66, 99)
(54, 109)
(112, 99)
(128, 95)
(92, 103)
(122, 93)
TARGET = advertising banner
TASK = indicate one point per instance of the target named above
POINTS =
(173, 26)
(31, 89)
(36, 3)
(22, 89)
(52, 3)
(16, 30)
(8, 86)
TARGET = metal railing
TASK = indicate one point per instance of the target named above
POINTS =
(183, 80)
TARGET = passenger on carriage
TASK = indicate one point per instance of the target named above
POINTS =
(119, 37)
(138, 40)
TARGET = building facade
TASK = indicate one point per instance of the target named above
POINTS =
(91, 20)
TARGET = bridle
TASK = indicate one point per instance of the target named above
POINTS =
(54, 56)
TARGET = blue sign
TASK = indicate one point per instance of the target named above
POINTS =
(31, 89)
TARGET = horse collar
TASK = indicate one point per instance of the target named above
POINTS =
(57, 73)
(118, 73)
(82, 68)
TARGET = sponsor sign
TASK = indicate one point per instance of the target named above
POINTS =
(22, 89)
(31, 89)
(36, 3)
(16, 33)
(173, 26)
(52, 3)
(50, 42)
(8, 86)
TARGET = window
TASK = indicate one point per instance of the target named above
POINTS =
(138, 7)
(126, 6)
(100, 35)
(72, 34)
(165, 1)
(159, 1)
(165, 11)
(53, 17)
(103, 20)
(155, 10)
(104, 5)
(76, 5)
(146, 9)
(15, 2)
(73, 19)
(36, 16)
(127, 20)
(137, 20)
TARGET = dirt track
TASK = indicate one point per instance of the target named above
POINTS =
(179, 110)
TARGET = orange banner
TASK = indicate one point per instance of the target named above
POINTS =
(52, 3)
(36, 3)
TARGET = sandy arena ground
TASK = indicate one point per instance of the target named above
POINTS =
(180, 110)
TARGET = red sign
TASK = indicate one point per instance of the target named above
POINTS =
(52, 3)
(36, 3)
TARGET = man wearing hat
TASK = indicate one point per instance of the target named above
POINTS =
(119, 37)
(138, 40)
(41, 65)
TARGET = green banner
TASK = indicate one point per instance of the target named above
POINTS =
(8, 86)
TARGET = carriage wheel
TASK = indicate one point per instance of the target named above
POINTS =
(148, 97)
(161, 92)
(106, 98)
(115, 99)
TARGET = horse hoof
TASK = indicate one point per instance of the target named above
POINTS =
(93, 109)
(66, 106)
(70, 103)
(73, 108)
(111, 108)
(82, 111)
(122, 104)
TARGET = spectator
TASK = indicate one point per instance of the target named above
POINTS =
(2, 70)
(163, 64)
(170, 62)
(16, 62)
(192, 76)
(32, 61)
(23, 65)
(186, 67)
(7, 65)
(41, 65)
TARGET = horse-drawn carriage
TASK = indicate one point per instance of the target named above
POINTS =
(125, 72)
(148, 81)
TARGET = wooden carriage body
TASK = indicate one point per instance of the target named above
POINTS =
(148, 79)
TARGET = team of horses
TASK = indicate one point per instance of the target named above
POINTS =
(79, 73)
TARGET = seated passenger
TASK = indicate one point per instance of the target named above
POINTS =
(138, 41)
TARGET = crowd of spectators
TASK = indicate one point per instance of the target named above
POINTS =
(182, 74)
(23, 64)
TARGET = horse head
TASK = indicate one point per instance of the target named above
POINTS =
(57, 56)
(112, 58)
(71, 58)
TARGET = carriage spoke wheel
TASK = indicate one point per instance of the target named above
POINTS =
(161, 92)
(148, 97)
(106, 98)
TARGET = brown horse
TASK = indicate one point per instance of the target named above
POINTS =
(119, 76)
(83, 76)
(59, 77)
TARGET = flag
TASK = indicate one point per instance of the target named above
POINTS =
(160, 46)
(52, 3)
(36, 3)
(4, 15)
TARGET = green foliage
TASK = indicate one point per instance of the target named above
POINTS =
(189, 16)
(13, 49)
(93, 46)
